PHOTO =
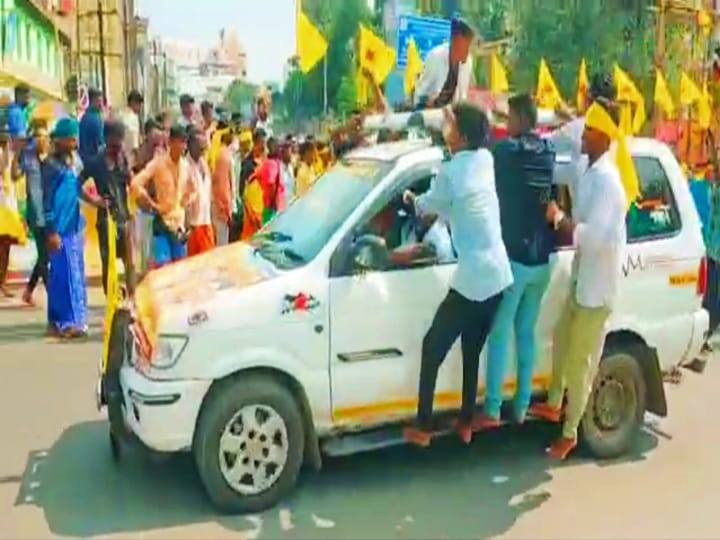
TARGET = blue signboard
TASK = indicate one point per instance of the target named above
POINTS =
(428, 33)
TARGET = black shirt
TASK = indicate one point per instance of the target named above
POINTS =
(523, 177)
(112, 183)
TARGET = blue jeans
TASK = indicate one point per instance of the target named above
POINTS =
(519, 311)
(167, 249)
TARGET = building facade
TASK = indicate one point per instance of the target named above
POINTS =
(36, 49)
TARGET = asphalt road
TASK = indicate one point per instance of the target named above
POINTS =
(57, 477)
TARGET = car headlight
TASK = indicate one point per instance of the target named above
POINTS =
(168, 350)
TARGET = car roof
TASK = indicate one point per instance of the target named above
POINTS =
(390, 151)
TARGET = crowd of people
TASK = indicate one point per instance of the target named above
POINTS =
(176, 185)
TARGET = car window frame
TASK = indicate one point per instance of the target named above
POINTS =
(673, 201)
(340, 260)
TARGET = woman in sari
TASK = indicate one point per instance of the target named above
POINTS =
(62, 190)
(12, 229)
(264, 193)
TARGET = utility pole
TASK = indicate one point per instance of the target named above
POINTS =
(101, 32)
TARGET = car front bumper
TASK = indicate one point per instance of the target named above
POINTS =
(161, 414)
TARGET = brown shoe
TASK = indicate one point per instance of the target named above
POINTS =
(561, 448)
(545, 412)
(483, 422)
(417, 437)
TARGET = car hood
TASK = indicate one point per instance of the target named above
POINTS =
(179, 291)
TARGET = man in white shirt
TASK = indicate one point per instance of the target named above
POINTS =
(599, 236)
(202, 236)
(130, 118)
(464, 196)
(448, 70)
(287, 169)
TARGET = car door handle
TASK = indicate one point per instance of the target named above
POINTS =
(364, 356)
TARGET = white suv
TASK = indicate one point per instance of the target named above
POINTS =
(259, 357)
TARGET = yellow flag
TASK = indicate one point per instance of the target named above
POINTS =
(689, 91)
(628, 92)
(547, 96)
(375, 55)
(662, 95)
(705, 109)
(311, 45)
(583, 87)
(113, 285)
(413, 68)
(598, 118)
(498, 76)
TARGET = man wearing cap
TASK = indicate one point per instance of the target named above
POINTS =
(62, 191)
(598, 232)
(448, 70)
(173, 193)
(130, 117)
(187, 110)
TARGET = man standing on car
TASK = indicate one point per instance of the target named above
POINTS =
(448, 69)
(599, 236)
(463, 195)
(524, 165)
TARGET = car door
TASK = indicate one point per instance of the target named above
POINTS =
(378, 320)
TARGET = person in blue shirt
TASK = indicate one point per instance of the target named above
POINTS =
(464, 196)
(62, 191)
(91, 127)
(17, 112)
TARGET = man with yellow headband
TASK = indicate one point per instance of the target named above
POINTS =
(599, 236)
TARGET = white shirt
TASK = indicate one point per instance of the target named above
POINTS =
(131, 121)
(437, 66)
(464, 196)
(199, 210)
(438, 236)
(287, 175)
(600, 237)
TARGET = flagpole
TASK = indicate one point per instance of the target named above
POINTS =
(325, 94)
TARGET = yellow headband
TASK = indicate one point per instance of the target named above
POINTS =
(598, 118)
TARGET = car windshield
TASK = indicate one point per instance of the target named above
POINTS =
(297, 235)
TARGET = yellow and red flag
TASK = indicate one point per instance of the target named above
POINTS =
(498, 76)
(376, 57)
(583, 87)
(413, 67)
(627, 92)
(547, 95)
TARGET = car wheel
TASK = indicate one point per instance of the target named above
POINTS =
(616, 408)
(249, 443)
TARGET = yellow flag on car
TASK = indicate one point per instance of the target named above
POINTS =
(498, 76)
(583, 87)
(662, 95)
(598, 118)
(113, 286)
(413, 67)
(311, 45)
(547, 95)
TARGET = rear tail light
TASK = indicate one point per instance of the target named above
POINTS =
(702, 278)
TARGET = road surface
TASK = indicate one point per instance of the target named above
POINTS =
(57, 478)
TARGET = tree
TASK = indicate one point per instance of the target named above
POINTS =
(240, 96)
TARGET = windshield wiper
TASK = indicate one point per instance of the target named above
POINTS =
(272, 251)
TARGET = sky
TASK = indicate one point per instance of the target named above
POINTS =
(265, 27)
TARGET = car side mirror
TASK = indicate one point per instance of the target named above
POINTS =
(369, 252)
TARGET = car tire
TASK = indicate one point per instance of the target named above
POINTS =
(259, 426)
(616, 407)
